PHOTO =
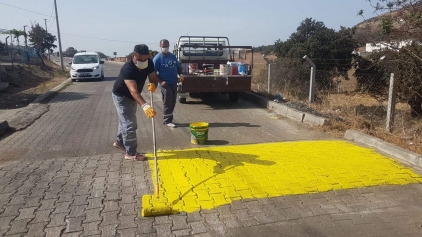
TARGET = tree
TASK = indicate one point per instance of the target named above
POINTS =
(16, 34)
(41, 40)
(102, 55)
(70, 52)
(3, 50)
(330, 50)
(402, 22)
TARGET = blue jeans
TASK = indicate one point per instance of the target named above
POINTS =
(126, 111)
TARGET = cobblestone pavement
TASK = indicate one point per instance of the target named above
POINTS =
(62, 177)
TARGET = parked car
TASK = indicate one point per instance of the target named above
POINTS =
(86, 65)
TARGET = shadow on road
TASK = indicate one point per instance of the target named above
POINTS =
(223, 125)
(68, 96)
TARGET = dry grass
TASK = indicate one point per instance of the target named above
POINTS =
(368, 115)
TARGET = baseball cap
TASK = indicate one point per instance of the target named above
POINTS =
(141, 49)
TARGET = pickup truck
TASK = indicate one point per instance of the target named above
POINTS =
(211, 65)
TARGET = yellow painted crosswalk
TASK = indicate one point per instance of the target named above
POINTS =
(205, 178)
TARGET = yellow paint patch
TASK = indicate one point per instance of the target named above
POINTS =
(205, 178)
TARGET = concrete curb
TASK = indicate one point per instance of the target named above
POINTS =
(52, 91)
(284, 110)
(385, 147)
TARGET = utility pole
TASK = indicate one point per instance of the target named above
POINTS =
(26, 43)
(58, 35)
(45, 23)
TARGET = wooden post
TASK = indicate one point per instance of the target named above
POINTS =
(391, 110)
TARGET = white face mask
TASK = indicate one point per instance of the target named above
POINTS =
(165, 50)
(142, 65)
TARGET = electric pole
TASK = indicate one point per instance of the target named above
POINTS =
(58, 36)
(26, 43)
(46, 31)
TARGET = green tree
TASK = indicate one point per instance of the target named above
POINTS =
(17, 34)
(102, 55)
(401, 21)
(70, 52)
(328, 49)
(41, 40)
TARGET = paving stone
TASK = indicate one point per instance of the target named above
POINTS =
(127, 222)
(74, 224)
(95, 203)
(111, 206)
(128, 209)
(127, 232)
(26, 213)
(37, 229)
(42, 216)
(91, 228)
(179, 222)
(145, 226)
(18, 227)
(5, 222)
(62, 207)
(77, 211)
(33, 201)
(108, 230)
(73, 234)
(93, 215)
(163, 229)
(47, 204)
(185, 232)
(109, 218)
(57, 219)
(80, 200)
(198, 227)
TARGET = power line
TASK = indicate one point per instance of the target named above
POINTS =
(23, 9)
(121, 41)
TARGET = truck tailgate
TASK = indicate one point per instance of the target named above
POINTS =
(214, 83)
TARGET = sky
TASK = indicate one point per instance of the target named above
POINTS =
(111, 26)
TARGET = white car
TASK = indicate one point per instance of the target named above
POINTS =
(86, 65)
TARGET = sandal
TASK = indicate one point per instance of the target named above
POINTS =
(118, 146)
(137, 156)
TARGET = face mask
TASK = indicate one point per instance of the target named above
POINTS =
(142, 65)
(164, 50)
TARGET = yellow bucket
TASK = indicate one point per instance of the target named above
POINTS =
(199, 132)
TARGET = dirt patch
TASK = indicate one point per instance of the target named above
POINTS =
(27, 82)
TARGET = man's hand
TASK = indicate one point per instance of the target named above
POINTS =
(181, 78)
(148, 110)
(163, 84)
(151, 87)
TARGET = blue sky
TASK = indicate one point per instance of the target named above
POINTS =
(139, 21)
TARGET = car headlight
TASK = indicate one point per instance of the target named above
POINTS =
(72, 68)
(96, 67)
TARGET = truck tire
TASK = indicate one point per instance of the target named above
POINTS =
(182, 100)
(234, 96)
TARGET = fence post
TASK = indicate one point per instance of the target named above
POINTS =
(269, 78)
(312, 79)
(391, 109)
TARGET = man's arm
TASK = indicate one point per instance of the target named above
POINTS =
(133, 89)
(154, 78)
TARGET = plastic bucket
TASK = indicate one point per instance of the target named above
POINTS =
(224, 69)
(199, 132)
(233, 70)
(242, 69)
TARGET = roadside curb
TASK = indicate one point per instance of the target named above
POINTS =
(285, 111)
(31, 112)
(385, 147)
(52, 91)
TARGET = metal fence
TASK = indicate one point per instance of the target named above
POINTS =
(17, 55)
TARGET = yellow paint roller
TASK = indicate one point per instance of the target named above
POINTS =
(158, 208)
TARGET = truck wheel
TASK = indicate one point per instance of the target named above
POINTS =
(234, 96)
(182, 100)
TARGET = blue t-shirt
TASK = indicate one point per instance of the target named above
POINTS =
(166, 66)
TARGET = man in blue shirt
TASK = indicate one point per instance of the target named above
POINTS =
(167, 67)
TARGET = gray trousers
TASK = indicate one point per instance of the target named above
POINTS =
(169, 94)
(126, 134)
